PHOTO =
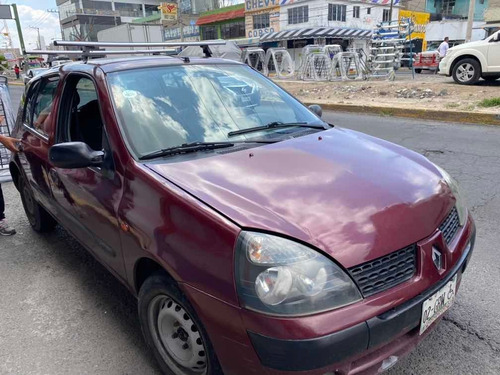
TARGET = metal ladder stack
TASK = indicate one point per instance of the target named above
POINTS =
(386, 48)
(5, 127)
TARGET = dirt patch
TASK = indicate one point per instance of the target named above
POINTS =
(426, 91)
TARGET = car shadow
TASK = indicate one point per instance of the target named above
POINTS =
(107, 293)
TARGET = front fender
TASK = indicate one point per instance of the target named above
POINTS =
(471, 52)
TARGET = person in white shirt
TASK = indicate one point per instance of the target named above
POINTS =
(443, 48)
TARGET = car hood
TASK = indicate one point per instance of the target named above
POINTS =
(468, 45)
(351, 195)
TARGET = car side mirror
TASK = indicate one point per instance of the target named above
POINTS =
(72, 155)
(496, 38)
(316, 109)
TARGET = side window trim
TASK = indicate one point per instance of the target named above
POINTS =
(31, 101)
(30, 97)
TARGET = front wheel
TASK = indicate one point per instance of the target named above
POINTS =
(173, 331)
(39, 219)
(418, 71)
(467, 72)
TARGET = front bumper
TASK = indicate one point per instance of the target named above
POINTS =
(358, 339)
(288, 355)
(445, 67)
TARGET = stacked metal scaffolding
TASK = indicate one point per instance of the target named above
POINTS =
(279, 61)
(387, 46)
(256, 58)
(6, 124)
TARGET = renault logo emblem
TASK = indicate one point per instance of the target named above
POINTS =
(437, 258)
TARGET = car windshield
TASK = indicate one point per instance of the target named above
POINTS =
(166, 107)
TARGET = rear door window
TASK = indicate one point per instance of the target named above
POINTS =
(43, 106)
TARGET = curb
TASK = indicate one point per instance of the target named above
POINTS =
(14, 83)
(422, 114)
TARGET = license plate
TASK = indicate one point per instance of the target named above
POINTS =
(437, 304)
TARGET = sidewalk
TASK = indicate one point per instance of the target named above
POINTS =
(429, 96)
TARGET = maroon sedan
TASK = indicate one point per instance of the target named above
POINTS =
(257, 238)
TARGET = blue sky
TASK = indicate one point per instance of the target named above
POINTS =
(33, 13)
(36, 4)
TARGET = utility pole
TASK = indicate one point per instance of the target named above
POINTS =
(390, 11)
(39, 40)
(19, 29)
(470, 20)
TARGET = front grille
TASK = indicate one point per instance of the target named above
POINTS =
(450, 226)
(385, 272)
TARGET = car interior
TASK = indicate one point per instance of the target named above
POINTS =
(86, 123)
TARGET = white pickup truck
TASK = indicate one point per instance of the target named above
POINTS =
(470, 61)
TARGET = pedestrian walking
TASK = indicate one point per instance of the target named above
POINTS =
(16, 70)
(444, 47)
(5, 229)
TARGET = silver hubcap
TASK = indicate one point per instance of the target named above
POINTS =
(465, 72)
(176, 337)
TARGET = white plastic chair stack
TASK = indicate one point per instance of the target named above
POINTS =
(256, 58)
(279, 61)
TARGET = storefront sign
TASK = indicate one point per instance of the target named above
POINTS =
(260, 4)
(168, 11)
(175, 32)
(420, 21)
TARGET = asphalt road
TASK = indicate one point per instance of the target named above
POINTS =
(62, 313)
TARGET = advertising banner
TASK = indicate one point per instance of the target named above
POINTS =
(169, 11)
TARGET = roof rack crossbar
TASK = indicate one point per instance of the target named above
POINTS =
(87, 46)
(94, 45)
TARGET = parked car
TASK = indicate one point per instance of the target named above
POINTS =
(469, 62)
(56, 63)
(258, 239)
(32, 73)
(428, 60)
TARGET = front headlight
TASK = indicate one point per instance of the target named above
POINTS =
(460, 202)
(278, 276)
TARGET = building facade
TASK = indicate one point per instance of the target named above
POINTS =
(223, 23)
(83, 19)
(336, 13)
(262, 17)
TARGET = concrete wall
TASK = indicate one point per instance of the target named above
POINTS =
(455, 30)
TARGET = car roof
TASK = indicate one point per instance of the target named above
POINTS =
(109, 65)
(125, 63)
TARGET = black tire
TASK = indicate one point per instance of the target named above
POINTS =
(467, 71)
(418, 71)
(39, 219)
(160, 294)
(490, 78)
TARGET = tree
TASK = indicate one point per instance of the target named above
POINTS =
(80, 34)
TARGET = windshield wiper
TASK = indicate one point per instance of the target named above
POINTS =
(196, 146)
(274, 125)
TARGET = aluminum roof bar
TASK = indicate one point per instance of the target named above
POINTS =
(94, 45)
(88, 46)
(102, 52)
(51, 52)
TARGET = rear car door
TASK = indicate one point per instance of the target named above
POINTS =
(37, 123)
(91, 195)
